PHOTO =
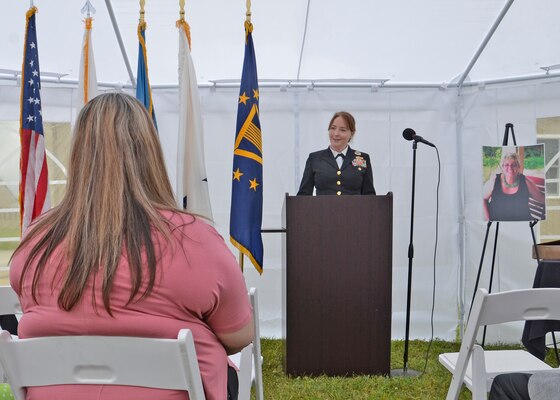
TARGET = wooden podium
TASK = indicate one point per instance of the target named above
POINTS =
(337, 283)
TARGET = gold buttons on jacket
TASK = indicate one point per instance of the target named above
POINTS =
(338, 172)
(338, 183)
(338, 193)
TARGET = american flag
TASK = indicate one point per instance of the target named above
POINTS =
(34, 185)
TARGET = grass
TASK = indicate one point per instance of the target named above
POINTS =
(432, 384)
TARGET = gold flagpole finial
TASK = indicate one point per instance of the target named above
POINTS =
(182, 23)
(248, 13)
(142, 3)
(182, 9)
(248, 24)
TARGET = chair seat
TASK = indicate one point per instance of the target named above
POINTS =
(236, 360)
(497, 362)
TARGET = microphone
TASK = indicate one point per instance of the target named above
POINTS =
(409, 134)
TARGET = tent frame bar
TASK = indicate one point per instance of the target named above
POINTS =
(120, 41)
(309, 84)
(485, 41)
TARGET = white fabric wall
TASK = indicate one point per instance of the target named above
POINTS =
(294, 123)
(485, 112)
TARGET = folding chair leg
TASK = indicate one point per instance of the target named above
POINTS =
(479, 384)
(555, 349)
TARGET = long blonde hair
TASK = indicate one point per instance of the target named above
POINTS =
(117, 185)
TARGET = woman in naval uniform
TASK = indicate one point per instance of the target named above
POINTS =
(339, 169)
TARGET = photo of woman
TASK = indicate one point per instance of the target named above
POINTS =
(514, 188)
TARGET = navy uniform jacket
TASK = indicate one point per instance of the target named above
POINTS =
(322, 172)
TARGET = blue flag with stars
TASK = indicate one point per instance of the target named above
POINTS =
(247, 183)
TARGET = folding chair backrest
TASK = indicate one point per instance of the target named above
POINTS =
(249, 360)
(102, 360)
(497, 308)
(257, 356)
(244, 361)
(519, 305)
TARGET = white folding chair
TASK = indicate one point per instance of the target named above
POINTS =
(101, 360)
(9, 302)
(249, 360)
(475, 367)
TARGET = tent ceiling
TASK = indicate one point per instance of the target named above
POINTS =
(404, 41)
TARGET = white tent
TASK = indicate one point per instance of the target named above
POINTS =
(454, 71)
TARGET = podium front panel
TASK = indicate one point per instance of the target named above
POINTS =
(338, 284)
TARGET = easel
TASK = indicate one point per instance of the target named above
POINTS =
(509, 127)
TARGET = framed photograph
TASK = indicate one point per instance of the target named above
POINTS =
(514, 187)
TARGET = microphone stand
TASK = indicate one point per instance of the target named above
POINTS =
(405, 371)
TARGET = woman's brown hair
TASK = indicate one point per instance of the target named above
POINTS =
(117, 186)
(347, 117)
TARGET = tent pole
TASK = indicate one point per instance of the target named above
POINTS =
(119, 39)
(484, 42)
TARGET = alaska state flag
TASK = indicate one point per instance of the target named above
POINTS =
(34, 184)
(247, 176)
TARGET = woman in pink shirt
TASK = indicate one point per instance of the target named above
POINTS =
(117, 257)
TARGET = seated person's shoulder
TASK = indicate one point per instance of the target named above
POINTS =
(544, 385)
(194, 226)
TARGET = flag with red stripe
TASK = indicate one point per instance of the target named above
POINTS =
(34, 185)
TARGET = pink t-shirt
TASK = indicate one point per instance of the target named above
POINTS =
(198, 286)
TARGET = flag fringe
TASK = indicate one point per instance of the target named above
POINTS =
(88, 22)
(247, 252)
(183, 24)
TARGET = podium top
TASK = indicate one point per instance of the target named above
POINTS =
(548, 250)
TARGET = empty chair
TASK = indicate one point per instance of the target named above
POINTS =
(102, 360)
(249, 360)
(475, 367)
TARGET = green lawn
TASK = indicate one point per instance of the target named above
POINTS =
(432, 384)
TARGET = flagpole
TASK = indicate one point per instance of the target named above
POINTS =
(192, 181)
(248, 19)
(247, 182)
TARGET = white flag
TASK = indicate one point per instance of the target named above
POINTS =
(87, 86)
(191, 171)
